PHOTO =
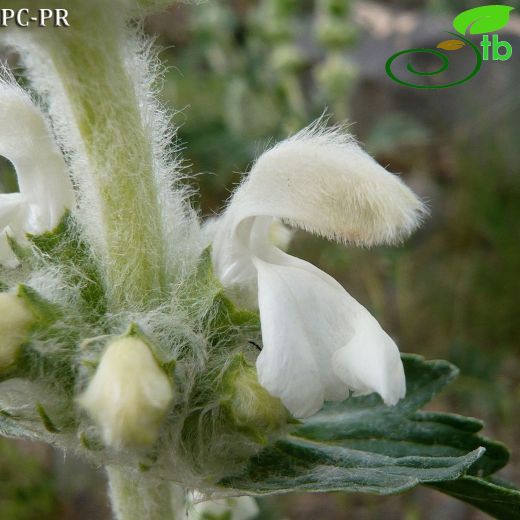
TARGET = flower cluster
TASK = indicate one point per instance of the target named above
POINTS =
(318, 343)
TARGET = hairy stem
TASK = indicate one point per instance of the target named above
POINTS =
(95, 68)
(136, 498)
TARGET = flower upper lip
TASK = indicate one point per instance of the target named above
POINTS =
(318, 341)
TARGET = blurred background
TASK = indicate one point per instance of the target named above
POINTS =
(244, 73)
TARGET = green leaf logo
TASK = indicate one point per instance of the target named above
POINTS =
(480, 20)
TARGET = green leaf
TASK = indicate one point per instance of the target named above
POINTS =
(363, 445)
(492, 496)
(480, 20)
(65, 247)
(46, 420)
(44, 312)
(230, 325)
(17, 427)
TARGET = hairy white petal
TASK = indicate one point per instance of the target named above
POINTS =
(322, 181)
(45, 189)
(129, 394)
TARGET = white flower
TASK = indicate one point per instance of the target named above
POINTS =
(318, 342)
(129, 394)
(45, 189)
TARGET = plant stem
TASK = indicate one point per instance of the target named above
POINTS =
(135, 498)
(95, 68)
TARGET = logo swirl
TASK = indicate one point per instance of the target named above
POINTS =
(443, 66)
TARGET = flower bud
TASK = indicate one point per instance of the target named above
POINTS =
(15, 320)
(129, 394)
(249, 405)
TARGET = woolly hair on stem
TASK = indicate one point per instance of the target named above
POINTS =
(97, 81)
(133, 498)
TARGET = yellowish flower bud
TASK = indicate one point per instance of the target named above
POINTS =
(129, 394)
(250, 406)
(15, 320)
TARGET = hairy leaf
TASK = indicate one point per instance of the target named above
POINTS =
(64, 246)
(363, 445)
(492, 496)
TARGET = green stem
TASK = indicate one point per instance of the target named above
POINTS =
(90, 60)
(137, 498)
